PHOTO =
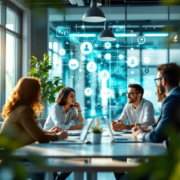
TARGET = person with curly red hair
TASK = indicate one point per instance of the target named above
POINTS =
(21, 111)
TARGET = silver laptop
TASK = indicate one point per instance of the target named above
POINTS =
(82, 137)
(119, 140)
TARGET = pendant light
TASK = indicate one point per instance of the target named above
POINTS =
(99, 3)
(106, 34)
(94, 14)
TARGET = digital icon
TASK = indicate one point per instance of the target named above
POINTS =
(62, 31)
(118, 70)
(121, 56)
(73, 64)
(107, 45)
(117, 45)
(147, 93)
(96, 45)
(99, 55)
(141, 40)
(132, 62)
(86, 47)
(131, 80)
(104, 74)
(146, 70)
(76, 78)
(107, 56)
(156, 42)
(88, 91)
(146, 60)
(62, 52)
(74, 39)
(83, 58)
(91, 66)
(106, 93)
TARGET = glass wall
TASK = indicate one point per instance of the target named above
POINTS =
(10, 48)
(101, 71)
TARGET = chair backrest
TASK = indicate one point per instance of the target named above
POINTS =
(156, 118)
(42, 122)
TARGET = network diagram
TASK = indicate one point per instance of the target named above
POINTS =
(92, 52)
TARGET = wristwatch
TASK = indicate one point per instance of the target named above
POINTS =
(128, 127)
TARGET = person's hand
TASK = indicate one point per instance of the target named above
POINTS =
(55, 130)
(62, 135)
(119, 125)
(77, 106)
(80, 126)
(136, 131)
(112, 124)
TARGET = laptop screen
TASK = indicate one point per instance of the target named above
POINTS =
(109, 128)
(85, 130)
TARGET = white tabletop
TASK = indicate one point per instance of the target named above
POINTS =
(104, 150)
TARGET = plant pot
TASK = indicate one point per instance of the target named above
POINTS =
(96, 138)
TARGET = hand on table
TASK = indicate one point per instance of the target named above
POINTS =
(118, 125)
(80, 126)
(62, 135)
(136, 131)
(55, 130)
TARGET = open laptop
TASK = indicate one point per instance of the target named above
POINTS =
(82, 137)
(119, 140)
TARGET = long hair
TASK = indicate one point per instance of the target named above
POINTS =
(24, 93)
(62, 96)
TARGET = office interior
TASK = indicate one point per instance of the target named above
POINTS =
(146, 36)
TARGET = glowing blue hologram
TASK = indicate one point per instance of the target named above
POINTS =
(73, 64)
(131, 80)
(117, 45)
(104, 74)
(80, 70)
(146, 59)
(141, 40)
(147, 93)
(132, 72)
(86, 48)
(91, 66)
(146, 70)
(106, 93)
(83, 58)
(83, 26)
(118, 70)
(62, 52)
(156, 42)
(107, 45)
(74, 39)
(88, 91)
(99, 55)
(121, 56)
(57, 65)
(96, 45)
(71, 53)
(132, 62)
(77, 78)
(107, 56)
(62, 31)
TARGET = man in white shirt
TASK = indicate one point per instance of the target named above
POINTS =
(137, 110)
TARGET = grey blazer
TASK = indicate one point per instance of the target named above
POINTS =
(56, 117)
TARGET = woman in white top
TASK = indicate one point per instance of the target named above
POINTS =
(63, 112)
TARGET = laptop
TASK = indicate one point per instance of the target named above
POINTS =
(81, 138)
(119, 140)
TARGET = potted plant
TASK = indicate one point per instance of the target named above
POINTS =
(49, 87)
(96, 134)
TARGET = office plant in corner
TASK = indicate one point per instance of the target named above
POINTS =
(49, 87)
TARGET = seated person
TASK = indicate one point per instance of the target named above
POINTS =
(137, 110)
(20, 111)
(167, 80)
(63, 112)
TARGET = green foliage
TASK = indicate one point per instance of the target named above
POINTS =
(49, 87)
(165, 167)
(96, 129)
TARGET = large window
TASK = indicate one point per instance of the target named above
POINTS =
(10, 48)
(67, 32)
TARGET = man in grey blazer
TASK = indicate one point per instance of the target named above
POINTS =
(167, 80)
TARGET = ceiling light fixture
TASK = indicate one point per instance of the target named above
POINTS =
(99, 3)
(94, 14)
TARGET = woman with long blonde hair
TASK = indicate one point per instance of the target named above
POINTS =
(21, 111)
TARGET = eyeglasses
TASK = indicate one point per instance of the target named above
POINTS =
(156, 80)
(130, 93)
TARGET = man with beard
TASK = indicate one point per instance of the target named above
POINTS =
(167, 81)
(137, 110)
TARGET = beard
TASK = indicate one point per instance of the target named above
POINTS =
(161, 89)
(132, 100)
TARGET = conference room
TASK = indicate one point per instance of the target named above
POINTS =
(89, 89)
